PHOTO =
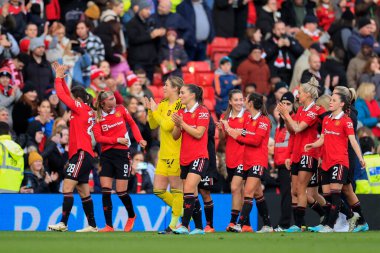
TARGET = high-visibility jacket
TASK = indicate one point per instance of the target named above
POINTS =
(372, 185)
(11, 165)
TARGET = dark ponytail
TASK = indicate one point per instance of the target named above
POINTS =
(197, 90)
(80, 92)
(258, 103)
(229, 108)
(347, 102)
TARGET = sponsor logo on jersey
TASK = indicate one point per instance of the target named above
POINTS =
(106, 127)
(331, 132)
(118, 114)
(311, 114)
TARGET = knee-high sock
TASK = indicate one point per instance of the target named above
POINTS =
(88, 207)
(197, 214)
(263, 210)
(177, 207)
(336, 202)
(326, 208)
(300, 216)
(317, 208)
(166, 196)
(246, 210)
(358, 209)
(67, 205)
(209, 213)
(234, 216)
(188, 206)
(127, 202)
(107, 205)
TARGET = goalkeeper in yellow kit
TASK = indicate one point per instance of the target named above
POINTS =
(168, 169)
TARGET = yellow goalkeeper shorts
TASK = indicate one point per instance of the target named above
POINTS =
(168, 167)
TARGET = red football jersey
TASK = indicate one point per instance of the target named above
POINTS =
(309, 115)
(335, 148)
(192, 148)
(114, 125)
(255, 137)
(81, 120)
(283, 144)
(234, 149)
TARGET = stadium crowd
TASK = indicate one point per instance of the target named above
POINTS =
(130, 47)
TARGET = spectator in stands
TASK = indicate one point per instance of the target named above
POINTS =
(37, 180)
(44, 116)
(12, 165)
(58, 42)
(224, 82)
(56, 153)
(92, 44)
(131, 103)
(293, 13)
(358, 36)
(36, 136)
(145, 82)
(341, 30)
(314, 70)
(142, 122)
(8, 45)
(16, 66)
(255, 70)
(140, 181)
(198, 14)
(334, 68)
(135, 87)
(31, 33)
(282, 52)
(9, 94)
(24, 108)
(13, 17)
(38, 69)
(267, 16)
(356, 65)
(172, 56)
(97, 82)
(302, 64)
(4, 115)
(368, 108)
(371, 74)
(244, 48)
(280, 88)
(169, 20)
(249, 89)
(56, 106)
(143, 39)
(310, 34)
(325, 14)
(230, 18)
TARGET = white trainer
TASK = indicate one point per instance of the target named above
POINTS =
(326, 229)
(236, 228)
(352, 222)
(87, 229)
(59, 227)
(265, 229)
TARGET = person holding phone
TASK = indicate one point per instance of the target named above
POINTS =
(110, 130)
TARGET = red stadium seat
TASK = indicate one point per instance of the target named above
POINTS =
(198, 66)
(189, 78)
(158, 92)
(204, 79)
(233, 42)
(157, 79)
(209, 93)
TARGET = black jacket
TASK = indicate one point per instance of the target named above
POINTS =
(142, 48)
(40, 74)
(174, 21)
(240, 53)
(333, 67)
(272, 50)
(288, 14)
(179, 53)
(105, 32)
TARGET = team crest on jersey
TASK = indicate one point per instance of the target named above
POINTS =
(118, 114)
(337, 123)
(193, 115)
(263, 126)
(241, 120)
(169, 112)
(254, 123)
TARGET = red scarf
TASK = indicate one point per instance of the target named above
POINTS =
(6, 93)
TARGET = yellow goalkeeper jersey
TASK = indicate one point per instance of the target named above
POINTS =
(162, 117)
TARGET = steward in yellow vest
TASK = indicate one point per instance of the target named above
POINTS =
(11, 162)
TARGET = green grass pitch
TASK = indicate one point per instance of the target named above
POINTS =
(136, 242)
